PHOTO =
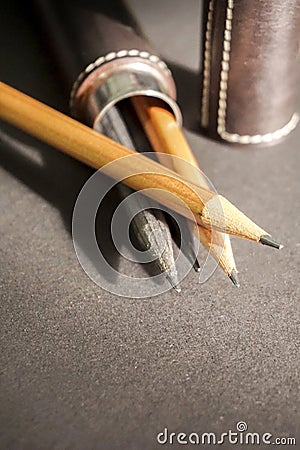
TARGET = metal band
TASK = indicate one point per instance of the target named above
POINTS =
(120, 75)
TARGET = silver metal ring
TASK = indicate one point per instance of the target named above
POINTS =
(117, 78)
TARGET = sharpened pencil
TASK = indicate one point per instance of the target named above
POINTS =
(96, 150)
(150, 227)
(166, 136)
(183, 239)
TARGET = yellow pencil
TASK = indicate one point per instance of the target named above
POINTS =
(166, 136)
(96, 150)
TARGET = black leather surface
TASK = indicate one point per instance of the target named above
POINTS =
(79, 32)
(82, 369)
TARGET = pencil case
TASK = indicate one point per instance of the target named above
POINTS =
(250, 76)
(113, 59)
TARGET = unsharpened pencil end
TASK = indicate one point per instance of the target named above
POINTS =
(267, 240)
(234, 278)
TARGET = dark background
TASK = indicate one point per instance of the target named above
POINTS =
(83, 369)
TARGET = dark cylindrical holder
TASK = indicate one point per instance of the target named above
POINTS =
(250, 76)
(104, 59)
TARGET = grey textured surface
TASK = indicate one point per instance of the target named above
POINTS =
(82, 369)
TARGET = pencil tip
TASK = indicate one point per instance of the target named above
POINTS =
(172, 279)
(267, 240)
(196, 266)
(234, 278)
(192, 256)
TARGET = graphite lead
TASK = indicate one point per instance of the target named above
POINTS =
(234, 278)
(268, 240)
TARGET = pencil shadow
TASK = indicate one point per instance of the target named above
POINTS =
(52, 175)
(59, 180)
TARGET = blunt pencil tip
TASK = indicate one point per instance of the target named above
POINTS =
(234, 278)
(267, 240)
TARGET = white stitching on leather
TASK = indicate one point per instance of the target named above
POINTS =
(262, 138)
(207, 68)
(222, 108)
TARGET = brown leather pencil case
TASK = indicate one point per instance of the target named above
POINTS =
(250, 76)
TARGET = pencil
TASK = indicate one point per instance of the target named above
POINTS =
(92, 32)
(166, 136)
(183, 238)
(150, 227)
(96, 150)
